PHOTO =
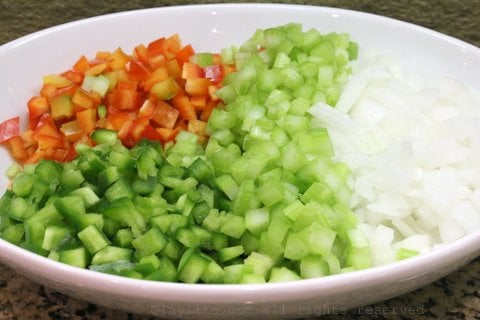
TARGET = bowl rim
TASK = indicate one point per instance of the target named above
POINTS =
(396, 271)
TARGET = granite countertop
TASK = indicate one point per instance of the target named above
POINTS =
(456, 296)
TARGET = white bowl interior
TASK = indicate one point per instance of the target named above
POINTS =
(209, 28)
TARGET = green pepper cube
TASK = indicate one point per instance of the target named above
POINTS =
(77, 257)
(93, 239)
(151, 242)
(111, 254)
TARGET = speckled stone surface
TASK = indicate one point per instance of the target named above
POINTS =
(456, 296)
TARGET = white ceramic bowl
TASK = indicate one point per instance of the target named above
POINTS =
(209, 28)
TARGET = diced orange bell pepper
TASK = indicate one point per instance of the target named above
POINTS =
(207, 111)
(56, 80)
(165, 115)
(153, 93)
(81, 65)
(174, 69)
(62, 107)
(87, 120)
(118, 119)
(147, 109)
(46, 141)
(71, 130)
(192, 70)
(86, 100)
(140, 52)
(182, 103)
(96, 69)
(36, 107)
(156, 76)
(197, 86)
(199, 102)
(16, 148)
(118, 59)
(168, 134)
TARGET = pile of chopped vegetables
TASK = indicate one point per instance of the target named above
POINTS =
(159, 90)
(274, 161)
(260, 200)
(412, 146)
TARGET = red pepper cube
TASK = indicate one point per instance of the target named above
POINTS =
(165, 115)
(36, 107)
(197, 86)
(187, 110)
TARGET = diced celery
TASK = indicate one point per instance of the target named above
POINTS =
(282, 274)
(233, 226)
(263, 198)
(257, 220)
(226, 254)
(313, 267)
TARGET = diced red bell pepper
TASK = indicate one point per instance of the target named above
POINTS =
(36, 107)
(192, 70)
(137, 70)
(73, 76)
(184, 54)
(138, 126)
(187, 110)
(150, 133)
(117, 119)
(125, 99)
(46, 127)
(214, 73)
(9, 129)
(156, 47)
(140, 52)
(165, 115)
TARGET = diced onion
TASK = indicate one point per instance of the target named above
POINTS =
(414, 152)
